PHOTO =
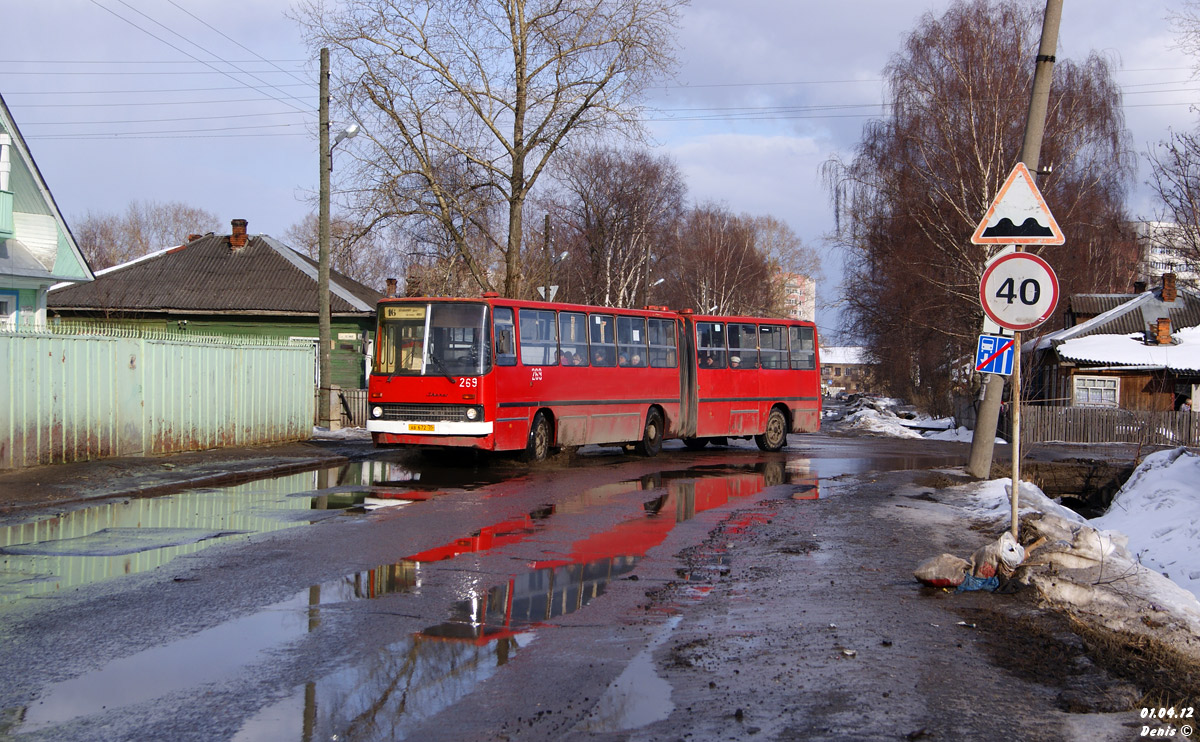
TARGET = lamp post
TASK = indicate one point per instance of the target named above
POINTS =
(324, 333)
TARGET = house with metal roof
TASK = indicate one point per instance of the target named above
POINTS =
(229, 285)
(36, 247)
(1142, 353)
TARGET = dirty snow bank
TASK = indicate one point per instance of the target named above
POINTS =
(1129, 570)
(884, 416)
(342, 434)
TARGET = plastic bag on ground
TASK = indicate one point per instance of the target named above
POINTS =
(944, 570)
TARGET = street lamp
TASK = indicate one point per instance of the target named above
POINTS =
(324, 333)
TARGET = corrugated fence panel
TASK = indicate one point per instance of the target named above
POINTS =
(73, 397)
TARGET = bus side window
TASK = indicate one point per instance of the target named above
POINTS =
(773, 346)
(603, 336)
(662, 344)
(631, 341)
(539, 337)
(803, 346)
(743, 345)
(572, 337)
(506, 337)
(710, 344)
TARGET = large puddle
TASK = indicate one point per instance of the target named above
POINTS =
(114, 539)
(418, 675)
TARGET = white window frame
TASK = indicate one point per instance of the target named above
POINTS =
(10, 306)
(1097, 386)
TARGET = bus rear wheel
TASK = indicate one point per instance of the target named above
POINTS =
(775, 436)
(538, 447)
(652, 436)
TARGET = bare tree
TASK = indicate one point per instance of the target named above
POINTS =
(1175, 177)
(466, 102)
(616, 210)
(715, 265)
(362, 254)
(922, 178)
(786, 256)
(111, 239)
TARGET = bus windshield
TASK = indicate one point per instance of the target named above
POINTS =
(433, 339)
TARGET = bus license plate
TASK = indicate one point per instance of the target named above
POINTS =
(420, 427)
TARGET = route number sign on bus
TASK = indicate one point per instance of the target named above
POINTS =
(1019, 291)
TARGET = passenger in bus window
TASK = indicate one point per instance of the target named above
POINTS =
(735, 361)
(635, 360)
(622, 360)
(708, 361)
(568, 358)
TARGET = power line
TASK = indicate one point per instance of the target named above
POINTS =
(176, 48)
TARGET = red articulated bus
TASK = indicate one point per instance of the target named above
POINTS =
(506, 375)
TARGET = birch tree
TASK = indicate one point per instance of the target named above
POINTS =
(921, 178)
(466, 102)
(617, 210)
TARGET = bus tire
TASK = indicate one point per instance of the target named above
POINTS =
(652, 436)
(775, 436)
(538, 447)
(695, 444)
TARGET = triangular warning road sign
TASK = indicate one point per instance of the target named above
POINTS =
(1018, 215)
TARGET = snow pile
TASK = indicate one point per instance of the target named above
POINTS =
(877, 416)
(1159, 509)
(991, 501)
(1130, 570)
(342, 434)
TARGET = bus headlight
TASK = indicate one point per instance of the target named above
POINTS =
(472, 413)
(376, 411)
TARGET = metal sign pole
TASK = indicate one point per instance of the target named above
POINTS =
(1016, 429)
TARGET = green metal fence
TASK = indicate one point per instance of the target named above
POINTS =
(75, 392)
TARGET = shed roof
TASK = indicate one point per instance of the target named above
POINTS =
(1133, 316)
(208, 275)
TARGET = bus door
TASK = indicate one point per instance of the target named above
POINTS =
(686, 420)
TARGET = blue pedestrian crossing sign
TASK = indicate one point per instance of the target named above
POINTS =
(994, 355)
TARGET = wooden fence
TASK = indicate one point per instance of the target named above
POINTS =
(1041, 423)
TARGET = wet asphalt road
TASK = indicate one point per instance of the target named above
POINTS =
(725, 594)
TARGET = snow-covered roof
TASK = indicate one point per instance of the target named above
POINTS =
(1131, 350)
(845, 355)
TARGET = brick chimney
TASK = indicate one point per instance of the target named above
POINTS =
(194, 237)
(1139, 287)
(1162, 331)
(238, 238)
(1168, 287)
(391, 288)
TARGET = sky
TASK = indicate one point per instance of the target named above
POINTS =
(171, 100)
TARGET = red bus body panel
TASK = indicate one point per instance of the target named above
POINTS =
(604, 405)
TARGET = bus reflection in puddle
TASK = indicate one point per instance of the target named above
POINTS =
(420, 675)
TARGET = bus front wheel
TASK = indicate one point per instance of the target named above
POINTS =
(538, 447)
(652, 436)
(775, 436)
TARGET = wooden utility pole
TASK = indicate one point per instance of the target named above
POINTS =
(324, 334)
(983, 441)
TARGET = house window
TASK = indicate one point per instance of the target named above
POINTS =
(1097, 391)
(8, 310)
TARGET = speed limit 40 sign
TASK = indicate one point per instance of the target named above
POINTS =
(1019, 291)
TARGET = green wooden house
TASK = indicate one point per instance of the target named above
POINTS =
(232, 285)
(37, 250)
